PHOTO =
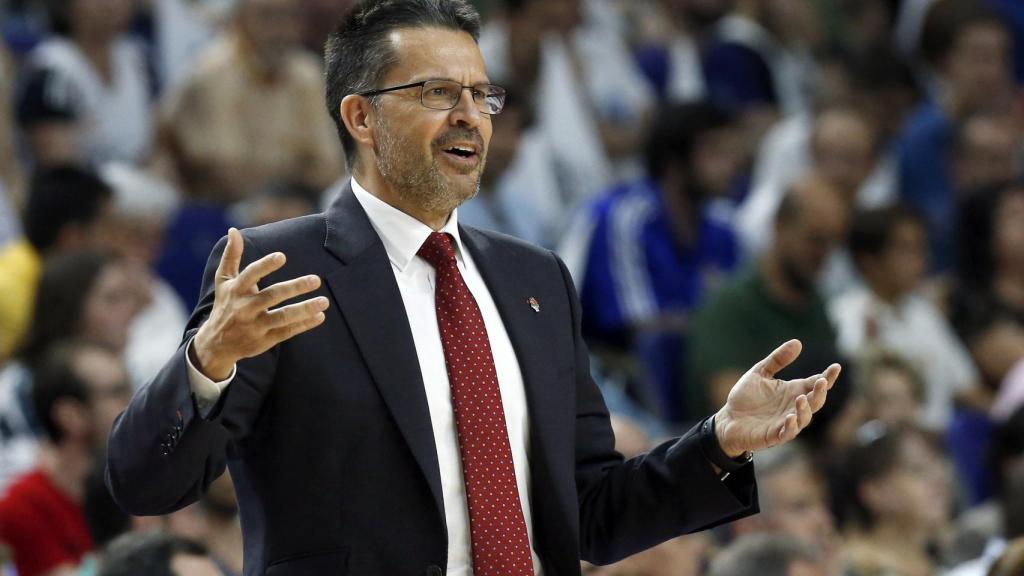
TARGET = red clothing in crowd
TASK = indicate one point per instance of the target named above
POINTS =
(43, 526)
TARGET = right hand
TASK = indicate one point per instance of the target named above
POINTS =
(242, 324)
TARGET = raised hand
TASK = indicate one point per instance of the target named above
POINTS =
(763, 411)
(242, 324)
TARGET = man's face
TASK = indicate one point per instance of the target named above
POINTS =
(109, 389)
(892, 399)
(805, 244)
(794, 504)
(414, 145)
(717, 158)
(988, 155)
(271, 27)
(904, 262)
(978, 67)
(844, 152)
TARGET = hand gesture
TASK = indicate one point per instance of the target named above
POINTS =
(763, 411)
(242, 323)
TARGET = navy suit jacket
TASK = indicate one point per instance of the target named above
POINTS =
(328, 436)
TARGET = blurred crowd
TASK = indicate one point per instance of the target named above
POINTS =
(719, 175)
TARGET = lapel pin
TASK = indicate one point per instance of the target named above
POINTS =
(533, 303)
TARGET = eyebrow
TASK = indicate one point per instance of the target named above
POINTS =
(485, 81)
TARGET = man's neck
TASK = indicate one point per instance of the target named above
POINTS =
(66, 466)
(375, 184)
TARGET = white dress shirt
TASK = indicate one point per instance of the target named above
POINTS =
(402, 236)
(918, 331)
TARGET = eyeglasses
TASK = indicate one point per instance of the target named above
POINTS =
(445, 95)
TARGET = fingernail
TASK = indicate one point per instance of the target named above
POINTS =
(312, 280)
(322, 303)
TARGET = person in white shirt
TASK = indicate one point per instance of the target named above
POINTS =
(100, 72)
(889, 247)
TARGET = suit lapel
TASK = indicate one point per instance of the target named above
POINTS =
(511, 288)
(367, 296)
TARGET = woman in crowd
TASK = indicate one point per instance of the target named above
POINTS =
(899, 498)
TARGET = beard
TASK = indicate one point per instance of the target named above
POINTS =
(797, 276)
(418, 179)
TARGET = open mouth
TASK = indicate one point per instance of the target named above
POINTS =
(461, 151)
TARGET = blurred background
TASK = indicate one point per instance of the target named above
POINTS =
(719, 175)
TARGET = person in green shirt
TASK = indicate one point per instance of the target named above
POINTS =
(773, 300)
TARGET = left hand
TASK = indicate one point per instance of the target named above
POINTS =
(763, 411)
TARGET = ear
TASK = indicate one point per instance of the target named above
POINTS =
(356, 112)
(72, 417)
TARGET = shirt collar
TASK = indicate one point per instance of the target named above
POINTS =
(401, 234)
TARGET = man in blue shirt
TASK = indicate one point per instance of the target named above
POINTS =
(659, 241)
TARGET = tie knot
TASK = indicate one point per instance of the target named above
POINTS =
(438, 250)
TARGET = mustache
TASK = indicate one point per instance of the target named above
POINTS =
(460, 135)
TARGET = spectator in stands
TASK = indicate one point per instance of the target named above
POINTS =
(760, 63)
(767, 555)
(141, 208)
(986, 153)
(82, 294)
(79, 389)
(890, 249)
(673, 64)
(843, 151)
(968, 49)
(278, 200)
(90, 86)
(67, 208)
(251, 111)
(775, 299)
(1000, 523)
(658, 244)
(988, 305)
(592, 103)
(519, 192)
(891, 389)
(85, 294)
(794, 503)
(156, 554)
(899, 496)
(10, 168)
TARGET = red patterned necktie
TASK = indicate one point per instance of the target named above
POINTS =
(497, 529)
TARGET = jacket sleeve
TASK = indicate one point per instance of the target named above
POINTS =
(629, 506)
(162, 452)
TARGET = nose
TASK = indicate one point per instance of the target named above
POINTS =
(465, 112)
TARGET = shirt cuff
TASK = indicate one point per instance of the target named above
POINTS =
(206, 391)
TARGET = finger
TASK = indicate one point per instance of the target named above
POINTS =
(787, 431)
(832, 373)
(256, 271)
(294, 313)
(231, 258)
(817, 395)
(803, 411)
(274, 295)
(283, 333)
(778, 359)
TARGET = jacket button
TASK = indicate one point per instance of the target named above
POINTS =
(434, 571)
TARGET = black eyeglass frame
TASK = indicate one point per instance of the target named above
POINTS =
(499, 92)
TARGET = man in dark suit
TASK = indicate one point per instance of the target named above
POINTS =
(441, 418)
